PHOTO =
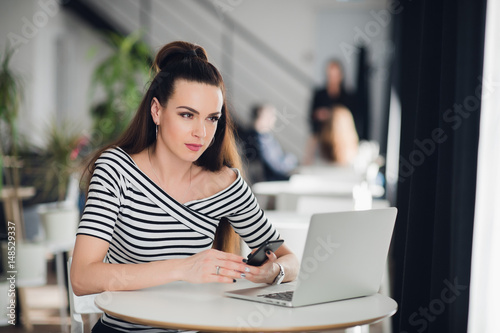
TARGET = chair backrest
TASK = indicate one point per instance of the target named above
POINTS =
(79, 305)
(73, 192)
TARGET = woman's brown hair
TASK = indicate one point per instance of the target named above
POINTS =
(338, 139)
(182, 61)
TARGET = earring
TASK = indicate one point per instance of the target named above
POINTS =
(156, 131)
(211, 142)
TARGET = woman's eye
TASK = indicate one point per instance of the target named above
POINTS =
(186, 115)
(214, 119)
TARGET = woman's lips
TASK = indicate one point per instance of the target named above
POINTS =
(193, 147)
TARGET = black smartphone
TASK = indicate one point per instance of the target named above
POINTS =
(259, 257)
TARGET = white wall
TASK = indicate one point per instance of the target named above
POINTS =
(288, 28)
(11, 26)
(52, 57)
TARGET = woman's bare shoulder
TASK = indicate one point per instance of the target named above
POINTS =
(223, 178)
(215, 181)
(228, 175)
(141, 159)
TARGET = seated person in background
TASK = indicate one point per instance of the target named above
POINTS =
(261, 147)
(338, 140)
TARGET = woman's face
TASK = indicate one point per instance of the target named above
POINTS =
(188, 122)
(334, 74)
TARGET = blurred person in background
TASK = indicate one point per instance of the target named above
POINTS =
(323, 101)
(338, 139)
(267, 161)
(332, 94)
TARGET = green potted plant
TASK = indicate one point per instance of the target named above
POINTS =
(30, 257)
(61, 163)
(121, 77)
(11, 92)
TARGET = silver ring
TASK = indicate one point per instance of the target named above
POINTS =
(217, 270)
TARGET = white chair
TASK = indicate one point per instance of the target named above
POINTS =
(63, 244)
(79, 305)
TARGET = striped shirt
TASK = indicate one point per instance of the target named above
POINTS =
(142, 223)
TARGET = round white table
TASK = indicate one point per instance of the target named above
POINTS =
(203, 307)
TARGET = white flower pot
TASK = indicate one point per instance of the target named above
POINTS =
(60, 224)
(31, 264)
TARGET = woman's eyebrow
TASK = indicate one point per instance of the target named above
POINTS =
(196, 112)
(187, 107)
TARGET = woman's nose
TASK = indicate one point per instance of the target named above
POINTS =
(199, 130)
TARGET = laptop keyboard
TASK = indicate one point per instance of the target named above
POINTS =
(282, 296)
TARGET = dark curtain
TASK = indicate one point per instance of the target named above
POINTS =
(439, 46)
(362, 95)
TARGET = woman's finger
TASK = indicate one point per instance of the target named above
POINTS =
(232, 273)
(227, 256)
(236, 266)
(222, 279)
(271, 256)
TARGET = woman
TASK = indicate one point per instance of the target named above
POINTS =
(158, 196)
(325, 98)
(338, 139)
(323, 102)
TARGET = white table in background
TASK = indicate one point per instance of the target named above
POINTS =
(288, 193)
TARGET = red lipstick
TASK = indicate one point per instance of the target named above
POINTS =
(193, 147)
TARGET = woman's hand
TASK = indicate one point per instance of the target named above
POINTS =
(321, 114)
(214, 266)
(265, 273)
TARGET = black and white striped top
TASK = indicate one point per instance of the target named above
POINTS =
(142, 223)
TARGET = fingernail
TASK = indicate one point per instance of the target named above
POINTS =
(243, 275)
(245, 261)
(268, 252)
(247, 269)
(234, 280)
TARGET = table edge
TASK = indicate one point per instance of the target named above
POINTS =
(166, 325)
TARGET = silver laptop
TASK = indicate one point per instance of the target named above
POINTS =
(344, 257)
